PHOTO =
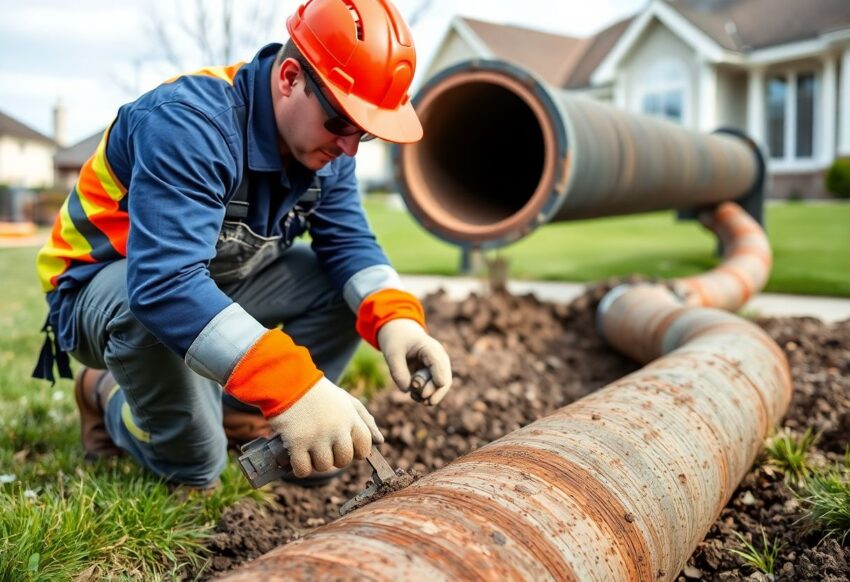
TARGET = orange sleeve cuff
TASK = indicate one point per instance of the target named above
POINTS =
(273, 374)
(383, 306)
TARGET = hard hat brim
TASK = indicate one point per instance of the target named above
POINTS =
(400, 125)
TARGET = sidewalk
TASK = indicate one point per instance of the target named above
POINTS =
(828, 309)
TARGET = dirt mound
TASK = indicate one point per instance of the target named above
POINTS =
(515, 359)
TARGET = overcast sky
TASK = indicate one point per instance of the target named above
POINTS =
(96, 55)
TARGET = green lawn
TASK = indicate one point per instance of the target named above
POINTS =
(811, 245)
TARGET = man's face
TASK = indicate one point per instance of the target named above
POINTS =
(301, 120)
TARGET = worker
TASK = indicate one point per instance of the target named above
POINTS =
(171, 271)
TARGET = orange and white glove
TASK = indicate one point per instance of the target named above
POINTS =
(407, 347)
(327, 427)
(393, 321)
(321, 425)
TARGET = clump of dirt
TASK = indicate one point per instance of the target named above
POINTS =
(515, 359)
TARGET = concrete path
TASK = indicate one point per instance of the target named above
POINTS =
(829, 309)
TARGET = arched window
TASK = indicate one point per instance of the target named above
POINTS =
(664, 90)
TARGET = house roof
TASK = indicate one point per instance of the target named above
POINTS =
(13, 127)
(76, 155)
(742, 25)
(597, 49)
(552, 56)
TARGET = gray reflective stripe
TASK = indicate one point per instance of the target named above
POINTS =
(367, 281)
(223, 342)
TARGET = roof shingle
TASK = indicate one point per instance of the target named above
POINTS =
(743, 25)
(13, 127)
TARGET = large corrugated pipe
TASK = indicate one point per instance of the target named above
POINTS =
(618, 486)
(504, 153)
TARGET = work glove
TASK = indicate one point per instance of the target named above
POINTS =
(408, 348)
(325, 428)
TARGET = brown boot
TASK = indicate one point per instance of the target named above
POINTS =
(91, 389)
(242, 427)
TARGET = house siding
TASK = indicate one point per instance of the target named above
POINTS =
(732, 99)
(25, 162)
(658, 45)
(452, 51)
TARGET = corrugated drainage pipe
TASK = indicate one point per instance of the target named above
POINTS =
(618, 486)
(504, 153)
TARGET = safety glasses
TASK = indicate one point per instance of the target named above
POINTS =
(337, 123)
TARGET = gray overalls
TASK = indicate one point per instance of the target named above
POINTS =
(164, 414)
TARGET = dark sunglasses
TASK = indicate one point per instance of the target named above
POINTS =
(337, 123)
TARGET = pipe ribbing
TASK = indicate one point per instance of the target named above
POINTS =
(745, 267)
(504, 153)
(620, 485)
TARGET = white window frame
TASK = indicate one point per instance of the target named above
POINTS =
(789, 162)
(654, 83)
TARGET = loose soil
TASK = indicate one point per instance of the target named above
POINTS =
(516, 359)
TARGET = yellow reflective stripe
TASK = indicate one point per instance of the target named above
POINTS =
(49, 266)
(88, 206)
(79, 245)
(112, 392)
(223, 73)
(101, 168)
(131, 425)
(219, 72)
(49, 262)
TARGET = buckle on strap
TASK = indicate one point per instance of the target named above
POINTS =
(51, 354)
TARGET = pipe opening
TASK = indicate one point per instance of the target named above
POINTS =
(481, 169)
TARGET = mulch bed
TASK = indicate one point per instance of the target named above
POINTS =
(516, 359)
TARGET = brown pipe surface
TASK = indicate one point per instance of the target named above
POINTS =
(620, 485)
(746, 264)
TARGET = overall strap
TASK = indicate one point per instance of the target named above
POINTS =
(51, 353)
(237, 208)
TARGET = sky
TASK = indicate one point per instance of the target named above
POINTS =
(94, 56)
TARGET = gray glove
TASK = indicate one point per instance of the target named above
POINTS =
(325, 428)
(407, 347)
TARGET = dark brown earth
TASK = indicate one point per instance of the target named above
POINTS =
(516, 359)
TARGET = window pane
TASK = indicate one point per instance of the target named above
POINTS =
(652, 104)
(673, 105)
(776, 95)
(805, 115)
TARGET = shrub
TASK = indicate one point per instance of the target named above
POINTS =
(838, 178)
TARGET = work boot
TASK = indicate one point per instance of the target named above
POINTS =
(91, 389)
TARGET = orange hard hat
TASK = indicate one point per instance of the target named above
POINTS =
(363, 52)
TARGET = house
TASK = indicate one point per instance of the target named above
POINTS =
(69, 161)
(26, 156)
(777, 69)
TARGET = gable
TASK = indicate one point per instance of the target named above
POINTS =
(452, 50)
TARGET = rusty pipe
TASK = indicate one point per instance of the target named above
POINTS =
(745, 268)
(504, 153)
(620, 485)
